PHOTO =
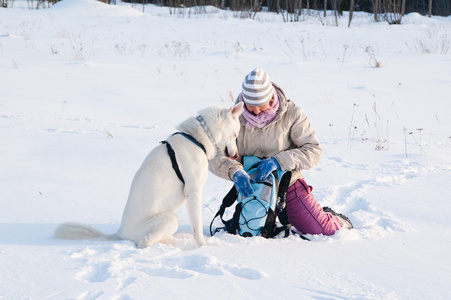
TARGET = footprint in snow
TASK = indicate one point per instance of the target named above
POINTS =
(125, 283)
(169, 272)
(95, 273)
(212, 266)
(188, 266)
(124, 297)
(89, 295)
(246, 273)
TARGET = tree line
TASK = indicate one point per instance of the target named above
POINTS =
(424, 7)
(389, 10)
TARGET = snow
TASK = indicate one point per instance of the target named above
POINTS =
(88, 89)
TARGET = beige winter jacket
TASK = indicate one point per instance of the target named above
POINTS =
(289, 138)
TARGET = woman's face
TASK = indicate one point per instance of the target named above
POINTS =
(258, 109)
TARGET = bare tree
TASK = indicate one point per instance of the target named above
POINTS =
(376, 4)
(430, 8)
(335, 6)
(392, 11)
(351, 11)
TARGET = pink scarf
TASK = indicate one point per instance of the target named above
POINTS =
(263, 118)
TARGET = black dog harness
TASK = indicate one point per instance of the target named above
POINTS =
(171, 153)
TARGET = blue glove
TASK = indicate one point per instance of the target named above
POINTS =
(242, 183)
(265, 167)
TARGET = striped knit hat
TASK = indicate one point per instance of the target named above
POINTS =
(257, 89)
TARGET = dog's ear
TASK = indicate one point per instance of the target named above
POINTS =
(237, 109)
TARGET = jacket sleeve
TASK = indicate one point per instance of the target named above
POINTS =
(224, 167)
(305, 152)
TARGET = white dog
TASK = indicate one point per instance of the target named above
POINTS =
(157, 191)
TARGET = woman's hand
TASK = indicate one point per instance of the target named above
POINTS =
(242, 183)
(265, 167)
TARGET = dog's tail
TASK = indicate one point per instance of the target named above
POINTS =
(75, 231)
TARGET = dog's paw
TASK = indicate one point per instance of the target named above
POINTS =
(201, 241)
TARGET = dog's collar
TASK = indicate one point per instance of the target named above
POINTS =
(202, 122)
(192, 139)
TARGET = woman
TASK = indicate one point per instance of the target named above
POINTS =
(276, 129)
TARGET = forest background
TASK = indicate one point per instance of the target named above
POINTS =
(391, 11)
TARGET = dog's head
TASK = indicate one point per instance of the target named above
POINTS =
(230, 130)
(222, 127)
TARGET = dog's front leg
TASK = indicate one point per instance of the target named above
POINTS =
(194, 206)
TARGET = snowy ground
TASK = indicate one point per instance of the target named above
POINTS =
(87, 90)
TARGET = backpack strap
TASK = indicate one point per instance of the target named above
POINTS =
(281, 205)
(230, 225)
(282, 198)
